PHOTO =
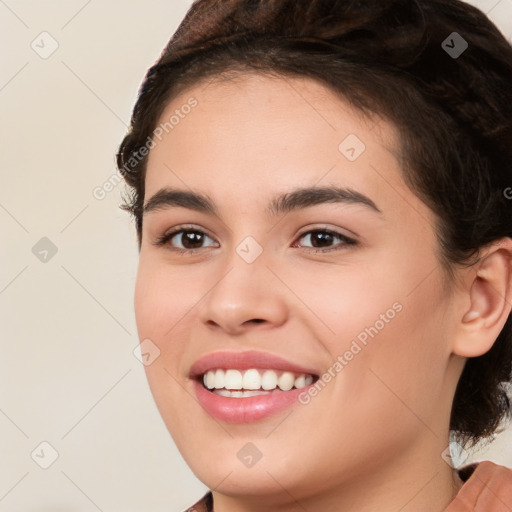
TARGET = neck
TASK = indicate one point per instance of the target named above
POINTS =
(410, 482)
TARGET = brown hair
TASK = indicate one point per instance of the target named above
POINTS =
(453, 114)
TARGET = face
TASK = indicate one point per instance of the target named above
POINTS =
(337, 292)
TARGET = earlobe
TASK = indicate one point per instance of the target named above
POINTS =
(489, 286)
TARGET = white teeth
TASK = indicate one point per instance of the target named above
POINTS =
(300, 381)
(219, 379)
(253, 382)
(241, 394)
(233, 379)
(209, 380)
(269, 380)
(286, 381)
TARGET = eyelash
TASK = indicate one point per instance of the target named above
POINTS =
(165, 239)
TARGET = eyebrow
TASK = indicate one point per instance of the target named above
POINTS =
(296, 199)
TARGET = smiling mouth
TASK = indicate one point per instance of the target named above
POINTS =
(233, 383)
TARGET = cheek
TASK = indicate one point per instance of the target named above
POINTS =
(162, 299)
(397, 376)
(341, 302)
(163, 304)
(390, 345)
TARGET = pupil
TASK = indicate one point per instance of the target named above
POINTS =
(191, 237)
(322, 237)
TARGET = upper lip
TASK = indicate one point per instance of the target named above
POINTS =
(245, 361)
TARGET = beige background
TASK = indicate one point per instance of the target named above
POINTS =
(68, 374)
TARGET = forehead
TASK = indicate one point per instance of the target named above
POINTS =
(254, 135)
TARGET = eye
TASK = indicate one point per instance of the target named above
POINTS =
(321, 240)
(189, 240)
(184, 240)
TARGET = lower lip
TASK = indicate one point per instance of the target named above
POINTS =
(245, 410)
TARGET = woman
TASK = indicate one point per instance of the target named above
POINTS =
(325, 235)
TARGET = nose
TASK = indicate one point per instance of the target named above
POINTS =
(242, 297)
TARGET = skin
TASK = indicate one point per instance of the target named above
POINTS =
(383, 422)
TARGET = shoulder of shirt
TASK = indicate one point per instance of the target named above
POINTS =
(205, 504)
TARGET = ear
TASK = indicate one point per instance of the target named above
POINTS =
(488, 285)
